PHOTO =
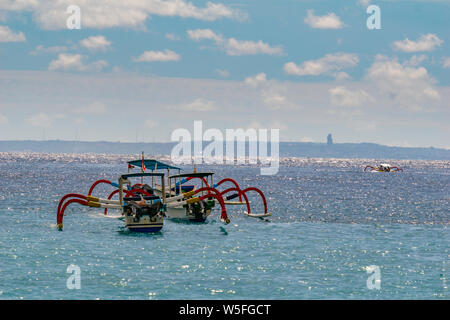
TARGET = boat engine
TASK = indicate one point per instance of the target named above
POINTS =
(197, 209)
(138, 210)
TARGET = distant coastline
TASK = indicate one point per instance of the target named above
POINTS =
(287, 149)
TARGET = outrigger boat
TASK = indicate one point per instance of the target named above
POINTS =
(143, 206)
(208, 194)
(141, 211)
(384, 167)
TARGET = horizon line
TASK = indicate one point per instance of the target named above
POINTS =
(165, 142)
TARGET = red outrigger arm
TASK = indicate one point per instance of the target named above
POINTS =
(260, 193)
(96, 183)
(233, 182)
(70, 195)
(373, 168)
(397, 169)
(217, 195)
(128, 193)
(60, 214)
(84, 200)
(241, 193)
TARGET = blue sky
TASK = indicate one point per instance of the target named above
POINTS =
(136, 71)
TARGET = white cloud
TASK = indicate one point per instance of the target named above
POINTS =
(53, 50)
(232, 46)
(265, 125)
(446, 62)
(118, 13)
(202, 34)
(172, 36)
(200, 105)
(238, 47)
(275, 99)
(232, 98)
(364, 3)
(75, 62)
(18, 4)
(415, 60)
(341, 96)
(94, 43)
(97, 66)
(329, 21)
(44, 120)
(197, 105)
(256, 80)
(223, 73)
(410, 87)
(7, 35)
(272, 92)
(426, 42)
(67, 62)
(93, 108)
(341, 76)
(163, 56)
(326, 65)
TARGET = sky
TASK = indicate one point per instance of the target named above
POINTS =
(137, 70)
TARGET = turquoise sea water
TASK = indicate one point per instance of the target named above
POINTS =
(330, 222)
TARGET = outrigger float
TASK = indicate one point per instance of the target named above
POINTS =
(144, 206)
(384, 167)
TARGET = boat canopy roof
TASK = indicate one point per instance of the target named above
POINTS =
(141, 174)
(152, 164)
(193, 174)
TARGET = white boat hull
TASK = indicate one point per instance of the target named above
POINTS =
(180, 213)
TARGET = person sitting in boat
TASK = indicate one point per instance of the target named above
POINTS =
(141, 202)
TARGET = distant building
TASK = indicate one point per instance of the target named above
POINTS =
(329, 139)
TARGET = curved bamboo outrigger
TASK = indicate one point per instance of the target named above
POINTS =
(142, 214)
(176, 185)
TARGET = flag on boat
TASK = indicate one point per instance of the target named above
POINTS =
(143, 162)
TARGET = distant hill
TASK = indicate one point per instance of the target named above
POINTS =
(287, 149)
(361, 150)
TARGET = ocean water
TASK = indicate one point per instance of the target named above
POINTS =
(330, 222)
